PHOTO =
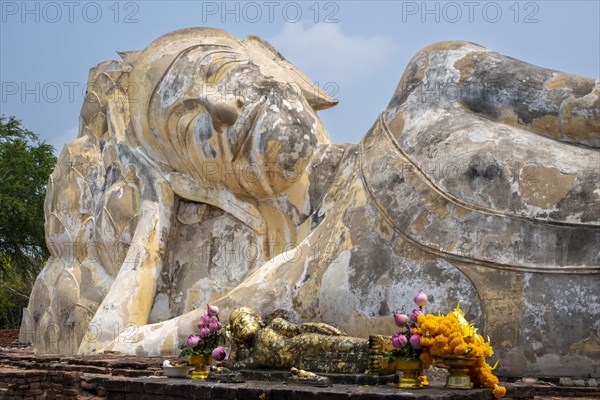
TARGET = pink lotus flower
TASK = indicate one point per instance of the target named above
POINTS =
(415, 313)
(192, 340)
(399, 340)
(218, 354)
(400, 319)
(212, 310)
(214, 325)
(204, 332)
(421, 298)
(415, 341)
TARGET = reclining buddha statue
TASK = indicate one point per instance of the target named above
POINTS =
(280, 344)
(202, 173)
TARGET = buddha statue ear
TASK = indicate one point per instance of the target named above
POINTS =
(266, 55)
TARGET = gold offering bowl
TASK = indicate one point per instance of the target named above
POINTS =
(411, 369)
(458, 368)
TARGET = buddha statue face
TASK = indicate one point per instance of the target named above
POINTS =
(244, 323)
(236, 113)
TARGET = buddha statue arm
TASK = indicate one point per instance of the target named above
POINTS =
(241, 357)
(289, 329)
(320, 328)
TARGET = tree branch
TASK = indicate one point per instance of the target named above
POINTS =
(14, 291)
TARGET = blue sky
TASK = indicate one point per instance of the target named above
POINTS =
(355, 50)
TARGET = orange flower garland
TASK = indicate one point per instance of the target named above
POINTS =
(453, 335)
(499, 391)
(426, 359)
(445, 335)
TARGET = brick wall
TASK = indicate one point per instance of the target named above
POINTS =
(38, 384)
(24, 375)
(7, 336)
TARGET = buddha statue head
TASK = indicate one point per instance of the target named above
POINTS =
(236, 113)
(244, 323)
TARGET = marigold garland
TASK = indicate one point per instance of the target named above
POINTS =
(446, 335)
(426, 359)
(499, 391)
(428, 336)
(452, 334)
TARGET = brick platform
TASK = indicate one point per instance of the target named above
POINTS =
(117, 377)
(38, 384)
(48, 377)
(8, 336)
(180, 389)
(567, 392)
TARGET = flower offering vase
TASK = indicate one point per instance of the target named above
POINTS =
(201, 364)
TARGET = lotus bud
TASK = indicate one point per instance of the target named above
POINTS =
(415, 313)
(421, 298)
(400, 319)
(192, 340)
(205, 321)
(218, 354)
(204, 332)
(399, 340)
(212, 310)
(415, 341)
(214, 325)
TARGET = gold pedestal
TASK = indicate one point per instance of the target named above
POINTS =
(411, 369)
(201, 364)
(459, 371)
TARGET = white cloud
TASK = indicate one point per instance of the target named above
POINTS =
(324, 51)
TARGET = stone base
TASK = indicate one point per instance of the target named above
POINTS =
(180, 389)
(572, 392)
(112, 376)
(336, 379)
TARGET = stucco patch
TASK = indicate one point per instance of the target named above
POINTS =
(546, 187)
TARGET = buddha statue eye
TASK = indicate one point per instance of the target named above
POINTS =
(221, 62)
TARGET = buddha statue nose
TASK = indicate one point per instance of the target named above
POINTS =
(224, 114)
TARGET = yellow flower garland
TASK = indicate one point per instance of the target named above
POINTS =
(426, 359)
(452, 334)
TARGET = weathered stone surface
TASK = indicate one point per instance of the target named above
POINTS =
(440, 198)
(174, 191)
(565, 381)
(214, 180)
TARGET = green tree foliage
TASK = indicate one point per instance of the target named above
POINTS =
(25, 164)
(14, 290)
